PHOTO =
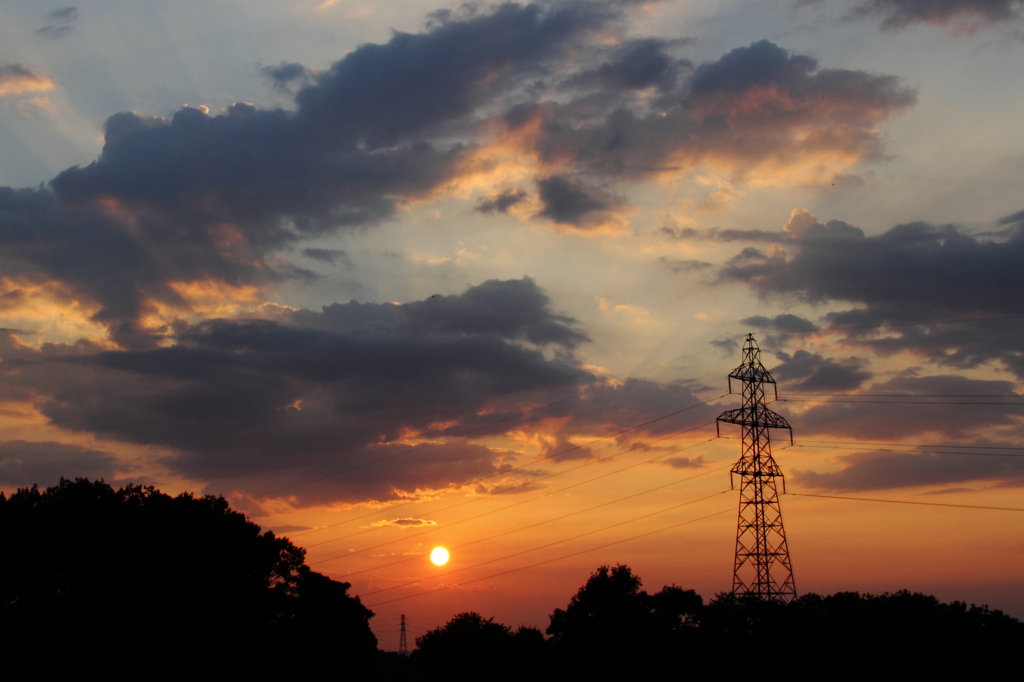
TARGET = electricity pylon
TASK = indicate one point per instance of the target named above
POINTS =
(762, 567)
(403, 645)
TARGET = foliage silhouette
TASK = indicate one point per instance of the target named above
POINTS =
(470, 647)
(614, 630)
(85, 568)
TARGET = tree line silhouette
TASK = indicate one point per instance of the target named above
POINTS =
(614, 630)
(91, 573)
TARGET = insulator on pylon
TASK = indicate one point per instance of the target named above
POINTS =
(762, 567)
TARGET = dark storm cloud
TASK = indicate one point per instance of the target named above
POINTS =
(570, 203)
(406, 522)
(268, 173)
(715, 234)
(62, 22)
(512, 309)
(727, 346)
(254, 405)
(563, 450)
(330, 256)
(382, 94)
(886, 470)
(104, 262)
(677, 265)
(635, 401)
(780, 323)
(810, 372)
(913, 273)
(213, 196)
(1015, 220)
(685, 462)
(83, 248)
(636, 65)
(884, 418)
(23, 463)
(15, 78)
(507, 309)
(285, 74)
(501, 203)
(901, 13)
(746, 108)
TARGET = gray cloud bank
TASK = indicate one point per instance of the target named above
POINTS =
(24, 463)
(253, 403)
(257, 406)
(204, 196)
(897, 14)
(940, 420)
(913, 273)
(887, 470)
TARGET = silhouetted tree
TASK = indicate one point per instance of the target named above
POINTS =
(86, 569)
(897, 634)
(611, 628)
(471, 647)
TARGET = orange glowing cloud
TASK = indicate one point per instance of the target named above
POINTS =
(15, 79)
(47, 311)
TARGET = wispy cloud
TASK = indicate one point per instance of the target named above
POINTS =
(15, 79)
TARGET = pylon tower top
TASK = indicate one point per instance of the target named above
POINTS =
(751, 368)
(754, 376)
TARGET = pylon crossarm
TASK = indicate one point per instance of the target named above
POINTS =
(755, 416)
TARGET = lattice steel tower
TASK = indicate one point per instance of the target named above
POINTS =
(762, 566)
(403, 645)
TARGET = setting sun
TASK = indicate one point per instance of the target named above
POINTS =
(439, 556)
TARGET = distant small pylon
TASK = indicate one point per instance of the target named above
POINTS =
(403, 645)
(762, 567)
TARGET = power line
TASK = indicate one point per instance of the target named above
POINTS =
(559, 558)
(541, 523)
(915, 445)
(909, 451)
(897, 324)
(484, 426)
(910, 395)
(516, 504)
(924, 504)
(505, 472)
(893, 402)
(550, 544)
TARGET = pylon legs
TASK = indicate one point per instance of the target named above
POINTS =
(762, 567)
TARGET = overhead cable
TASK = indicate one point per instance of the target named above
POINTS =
(924, 504)
(558, 558)
(914, 445)
(909, 451)
(826, 330)
(530, 481)
(545, 521)
(505, 472)
(482, 427)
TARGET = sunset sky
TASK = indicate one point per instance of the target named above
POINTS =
(377, 271)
